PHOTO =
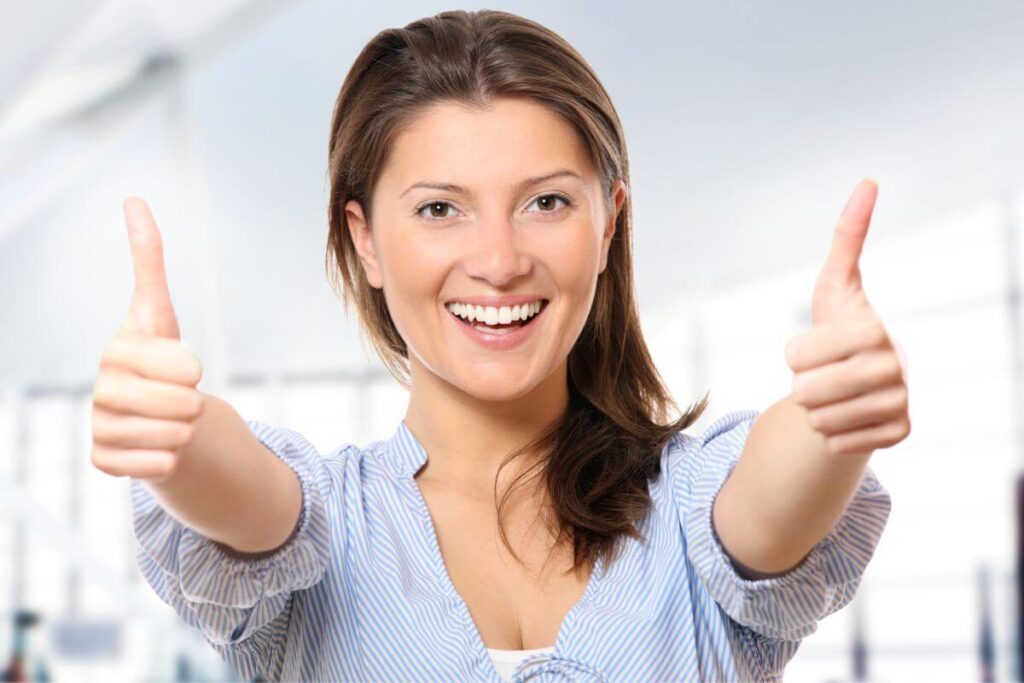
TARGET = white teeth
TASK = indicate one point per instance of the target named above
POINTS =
(494, 315)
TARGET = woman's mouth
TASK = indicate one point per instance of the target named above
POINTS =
(498, 327)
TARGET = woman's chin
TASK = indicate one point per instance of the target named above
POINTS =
(496, 386)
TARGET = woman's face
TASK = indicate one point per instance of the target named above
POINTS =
(456, 219)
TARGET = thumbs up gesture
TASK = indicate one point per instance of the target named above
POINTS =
(849, 373)
(145, 400)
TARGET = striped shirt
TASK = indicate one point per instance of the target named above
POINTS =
(360, 592)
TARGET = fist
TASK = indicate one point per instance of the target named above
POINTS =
(849, 374)
(145, 402)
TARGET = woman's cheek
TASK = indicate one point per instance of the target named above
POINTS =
(414, 265)
(577, 262)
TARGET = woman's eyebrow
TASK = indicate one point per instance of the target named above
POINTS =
(521, 185)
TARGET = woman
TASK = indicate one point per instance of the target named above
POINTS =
(535, 514)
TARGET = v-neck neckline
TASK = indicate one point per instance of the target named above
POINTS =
(441, 570)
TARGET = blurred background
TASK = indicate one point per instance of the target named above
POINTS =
(748, 124)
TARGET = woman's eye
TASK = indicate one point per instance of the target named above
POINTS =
(432, 206)
(549, 201)
(437, 210)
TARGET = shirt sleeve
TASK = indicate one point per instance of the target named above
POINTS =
(241, 605)
(780, 608)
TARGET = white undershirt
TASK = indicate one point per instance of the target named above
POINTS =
(505, 661)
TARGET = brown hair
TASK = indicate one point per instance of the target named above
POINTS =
(607, 445)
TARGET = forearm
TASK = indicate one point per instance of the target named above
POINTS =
(227, 486)
(785, 493)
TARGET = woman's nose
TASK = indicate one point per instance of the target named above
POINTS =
(496, 255)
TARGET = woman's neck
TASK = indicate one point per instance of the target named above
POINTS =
(466, 438)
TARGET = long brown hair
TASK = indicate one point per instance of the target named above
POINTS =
(606, 447)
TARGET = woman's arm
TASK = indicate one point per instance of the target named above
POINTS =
(806, 454)
(227, 486)
(785, 494)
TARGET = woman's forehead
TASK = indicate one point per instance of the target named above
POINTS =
(511, 139)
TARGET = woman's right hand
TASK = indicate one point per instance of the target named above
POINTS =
(145, 401)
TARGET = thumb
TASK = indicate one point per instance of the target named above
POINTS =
(152, 312)
(842, 267)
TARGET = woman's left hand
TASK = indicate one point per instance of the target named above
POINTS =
(849, 374)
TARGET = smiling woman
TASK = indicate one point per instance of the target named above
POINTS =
(492, 248)
(500, 178)
(479, 220)
(502, 149)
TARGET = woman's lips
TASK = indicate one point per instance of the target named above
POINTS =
(501, 338)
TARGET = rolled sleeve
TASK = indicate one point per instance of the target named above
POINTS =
(785, 607)
(230, 598)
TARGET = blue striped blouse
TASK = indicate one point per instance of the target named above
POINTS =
(361, 592)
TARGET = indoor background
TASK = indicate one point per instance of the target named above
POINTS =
(748, 125)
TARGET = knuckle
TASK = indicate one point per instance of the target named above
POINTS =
(882, 367)
(116, 352)
(184, 434)
(192, 366)
(799, 387)
(195, 404)
(101, 461)
(894, 398)
(894, 369)
(103, 391)
(109, 353)
(99, 428)
(109, 431)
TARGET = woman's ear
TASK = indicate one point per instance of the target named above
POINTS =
(362, 238)
(619, 197)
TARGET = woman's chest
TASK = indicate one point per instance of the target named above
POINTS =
(394, 605)
(514, 604)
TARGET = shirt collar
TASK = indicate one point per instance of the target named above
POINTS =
(404, 451)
